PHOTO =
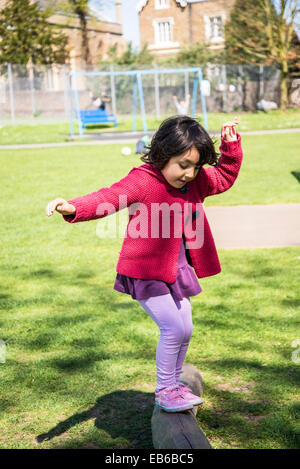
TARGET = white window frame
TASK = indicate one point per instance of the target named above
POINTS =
(164, 32)
(207, 21)
(162, 4)
(216, 27)
(156, 24)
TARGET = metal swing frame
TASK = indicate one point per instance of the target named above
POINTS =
(137, 91)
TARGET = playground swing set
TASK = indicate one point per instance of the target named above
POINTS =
(99, 116)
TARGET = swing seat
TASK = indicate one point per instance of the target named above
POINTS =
(96, 116)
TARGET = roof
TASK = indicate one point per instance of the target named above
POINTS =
(142, 3)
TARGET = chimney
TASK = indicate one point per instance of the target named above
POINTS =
(119, 11)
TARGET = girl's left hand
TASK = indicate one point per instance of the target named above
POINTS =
(228, 131)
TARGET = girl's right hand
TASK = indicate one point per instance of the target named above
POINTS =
(228, 131)
(61, 206)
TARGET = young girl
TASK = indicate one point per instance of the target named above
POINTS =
(157, 266)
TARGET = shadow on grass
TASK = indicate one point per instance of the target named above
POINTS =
(251, 411)
(121, 414)
(296, 174)
(270, 374)
(242, 422)
(108, 126)
(248, 419)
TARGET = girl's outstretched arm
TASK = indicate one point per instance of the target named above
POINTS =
(107, 200)
(220, 178)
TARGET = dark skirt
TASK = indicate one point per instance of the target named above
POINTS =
(185, 285)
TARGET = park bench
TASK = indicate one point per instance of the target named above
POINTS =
(96, 116)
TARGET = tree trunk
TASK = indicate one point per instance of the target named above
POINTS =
(284, 74)
(80, 9)
(84, 38)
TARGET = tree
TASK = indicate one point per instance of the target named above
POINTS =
(26, 35)
(262, 32)
(80, 9)
(130, 58)
(196, 55)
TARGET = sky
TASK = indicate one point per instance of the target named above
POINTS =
(129, 15)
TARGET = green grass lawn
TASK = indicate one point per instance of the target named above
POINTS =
(80, 362)
(35, 132)
(266, 176)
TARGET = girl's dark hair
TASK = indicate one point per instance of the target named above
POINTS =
(176, 135)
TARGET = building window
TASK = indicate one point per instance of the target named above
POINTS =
(164, 32)
(160, 4)
(215, 27)
(164, 35)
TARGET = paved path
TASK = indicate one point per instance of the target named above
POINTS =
(109, 138)
(255, 226)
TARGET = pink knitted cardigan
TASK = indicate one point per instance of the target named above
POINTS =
(155, 256)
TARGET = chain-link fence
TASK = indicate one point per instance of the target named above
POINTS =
(43, 93)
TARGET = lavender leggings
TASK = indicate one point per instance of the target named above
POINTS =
(174, 320)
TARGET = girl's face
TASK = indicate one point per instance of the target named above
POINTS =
(182, 168)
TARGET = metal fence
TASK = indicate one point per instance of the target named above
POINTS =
(42, 93)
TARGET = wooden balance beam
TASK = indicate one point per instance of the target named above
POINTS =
(180, 430)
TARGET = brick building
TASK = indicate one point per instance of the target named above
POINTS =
(168, 25)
